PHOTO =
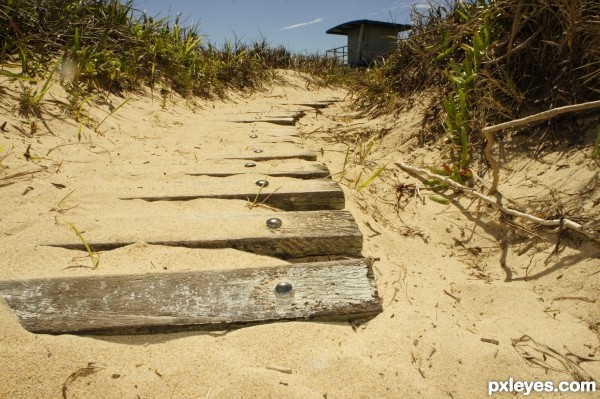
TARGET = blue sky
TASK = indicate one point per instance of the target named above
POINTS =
(299, 25)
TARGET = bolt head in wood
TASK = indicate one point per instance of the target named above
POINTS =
(262, 183)
(274, 223)
(249, 165)
(253, 136)
(258, 150)
(283, 288)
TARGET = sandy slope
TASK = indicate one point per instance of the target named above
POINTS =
(438, 267)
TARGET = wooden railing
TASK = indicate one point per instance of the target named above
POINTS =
(339, 53)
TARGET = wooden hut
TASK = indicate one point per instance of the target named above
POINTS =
(367, 40)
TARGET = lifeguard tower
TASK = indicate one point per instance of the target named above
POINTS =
(367, 41)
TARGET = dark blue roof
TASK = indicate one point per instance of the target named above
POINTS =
(344, 28)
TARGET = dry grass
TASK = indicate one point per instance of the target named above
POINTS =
(541, 54)
(111, 45)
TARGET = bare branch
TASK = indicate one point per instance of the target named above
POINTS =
(542, 116)
(498, 203)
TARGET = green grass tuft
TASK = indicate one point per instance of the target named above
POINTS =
(94, 256)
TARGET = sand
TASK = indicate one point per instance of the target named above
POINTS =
(450, 320)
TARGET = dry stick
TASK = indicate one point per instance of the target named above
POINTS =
(489, 155)
(487, 132)
(575, 298)
(21, 174)
(542, 116)
(566, 223)
(490, 341)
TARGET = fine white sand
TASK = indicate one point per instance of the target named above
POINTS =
(438, 267)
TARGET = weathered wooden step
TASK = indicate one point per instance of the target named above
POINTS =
(287, 119)
(218, 299)
(269, 154)
(297, 170)
(275, 132)
(283, 121)
(301, 234)
(313, 105)
(281, 192)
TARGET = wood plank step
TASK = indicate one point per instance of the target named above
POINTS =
(281, 114)
(284, 193)
(217, 299)
(283, 121)
(270, 154)
(293, 168)
(297, 115)
(275, 134)
(297, 170)
(313, 105)
(302, 234)
(259, 135)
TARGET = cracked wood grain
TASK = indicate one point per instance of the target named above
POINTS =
(216, 299)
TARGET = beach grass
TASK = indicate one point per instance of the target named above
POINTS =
(478, 62)
(112, 45)
(483, 62)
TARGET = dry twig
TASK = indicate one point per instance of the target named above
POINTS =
(488, 132)
(536, 354)
(498, 202)
(542, 116)
(90, 369)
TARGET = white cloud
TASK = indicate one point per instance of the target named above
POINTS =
(314, 21)
(398, 6)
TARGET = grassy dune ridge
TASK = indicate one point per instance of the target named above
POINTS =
(484, 62)
(110, 44)
(478, 62)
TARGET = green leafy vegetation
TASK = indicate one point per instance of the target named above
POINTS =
(111, 45)
(94, 256)
(31, 96)
(478, 62)
(371, 178)
(482, 62)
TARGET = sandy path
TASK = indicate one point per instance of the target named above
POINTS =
(426, 343)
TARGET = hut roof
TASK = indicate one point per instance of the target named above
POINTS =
(346, 27)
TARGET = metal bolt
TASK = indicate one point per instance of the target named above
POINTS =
(262, 183)
(249, 165)
(274, 223)
(258, 150)
(283, 288)
(253, 136)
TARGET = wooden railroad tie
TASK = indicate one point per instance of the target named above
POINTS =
(297, 170)
(313, 226)
(284, 120)
(302, 234)
(168, 302)
(270, 154)
(279, 192)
